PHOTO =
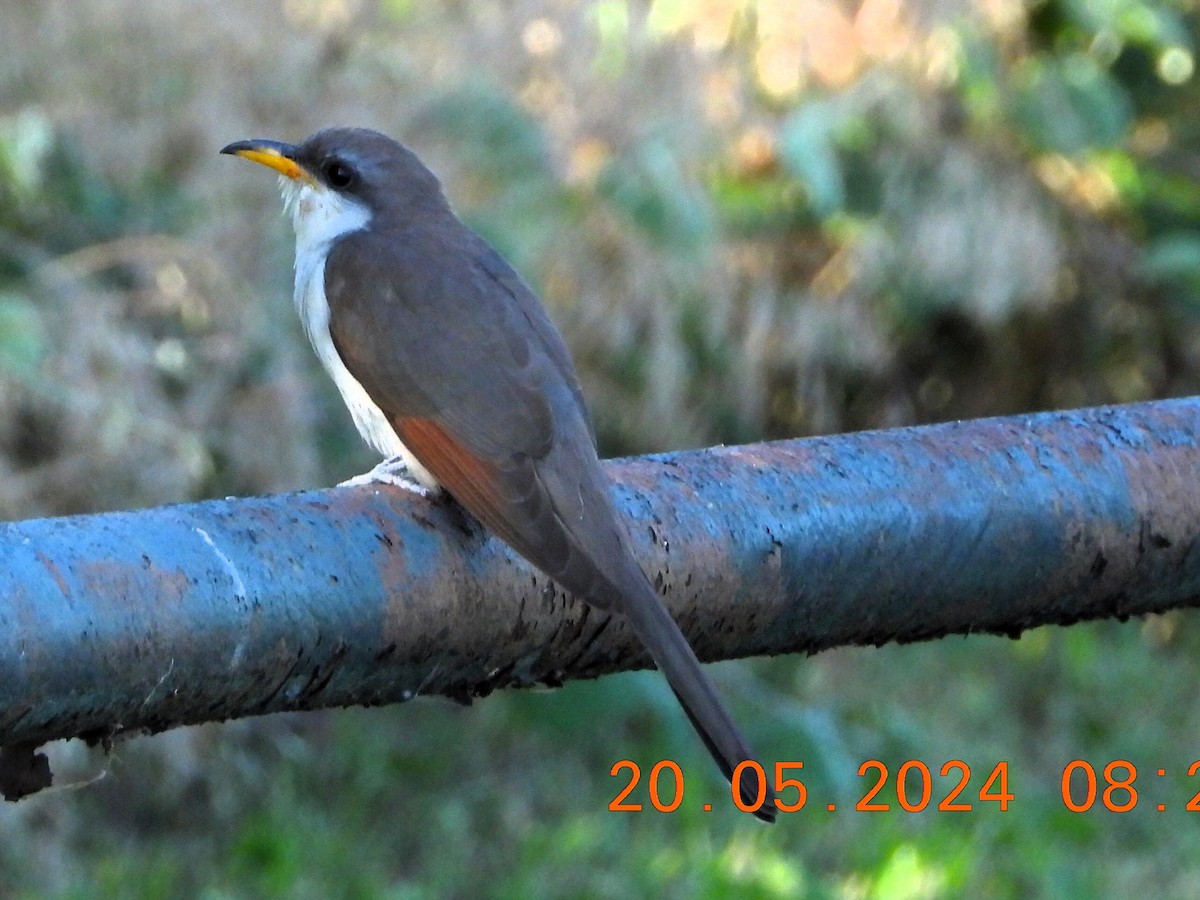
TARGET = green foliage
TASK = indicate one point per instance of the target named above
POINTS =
(808, 146)
(54, 199)
(22, 337)
(649, 185)
(1175, 259)
(996, 211)
(1070, 105)
(515, 199)
(758, 206)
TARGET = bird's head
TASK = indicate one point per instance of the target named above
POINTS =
(341, 179)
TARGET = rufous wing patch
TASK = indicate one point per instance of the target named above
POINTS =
(508, 500)
(471, 480)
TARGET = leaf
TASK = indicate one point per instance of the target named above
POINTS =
(22, 335)
(1174, 260)
(25, 142)
(650, 185)
(1071, 105)
(808, 148)
(500, 138)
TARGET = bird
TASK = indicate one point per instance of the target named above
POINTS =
(453, 371)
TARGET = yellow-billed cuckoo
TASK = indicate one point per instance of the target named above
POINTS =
(450, 364)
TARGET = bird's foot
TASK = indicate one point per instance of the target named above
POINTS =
(390, 471)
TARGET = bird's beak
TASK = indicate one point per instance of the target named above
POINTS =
(272, 154)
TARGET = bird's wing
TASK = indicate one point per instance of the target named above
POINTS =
(479, 386)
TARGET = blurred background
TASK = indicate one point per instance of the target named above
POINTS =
(752, 219)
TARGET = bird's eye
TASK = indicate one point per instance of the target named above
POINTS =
(337, 173)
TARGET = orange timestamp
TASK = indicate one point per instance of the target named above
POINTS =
(912, 785)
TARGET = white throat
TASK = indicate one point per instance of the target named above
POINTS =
(320, 217)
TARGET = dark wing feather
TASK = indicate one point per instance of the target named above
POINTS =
(508, 281)
(442, 341)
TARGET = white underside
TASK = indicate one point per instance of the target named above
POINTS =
(320, 217)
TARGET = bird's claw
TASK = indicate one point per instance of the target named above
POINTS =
(390, 471)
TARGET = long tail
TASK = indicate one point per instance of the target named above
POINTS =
(583, 550)
(675, 658)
